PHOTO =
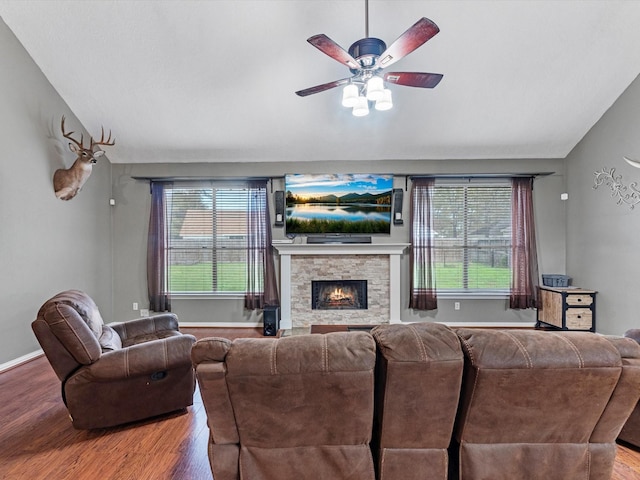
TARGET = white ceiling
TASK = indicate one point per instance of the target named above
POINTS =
(214, 81)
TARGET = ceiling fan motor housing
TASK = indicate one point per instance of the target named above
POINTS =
(366, 51)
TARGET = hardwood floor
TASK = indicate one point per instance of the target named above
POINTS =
(38, 442)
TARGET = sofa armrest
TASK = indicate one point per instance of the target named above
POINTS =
(145, 326)
(142, 359)
(217, 403)
(633, 333)
(625, 396)
(212, 349)
(208, 355)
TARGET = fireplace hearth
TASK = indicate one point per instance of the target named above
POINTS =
(338, 294)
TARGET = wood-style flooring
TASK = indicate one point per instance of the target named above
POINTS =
(37, 440)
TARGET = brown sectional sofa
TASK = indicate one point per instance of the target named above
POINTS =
(418, 401)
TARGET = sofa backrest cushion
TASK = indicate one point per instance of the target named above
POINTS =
(535, 386)
(419, 374)
(303, 390)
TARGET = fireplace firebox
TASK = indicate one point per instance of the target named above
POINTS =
(339, 294)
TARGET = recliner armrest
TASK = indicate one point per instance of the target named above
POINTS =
(142, 359)
(146, 326)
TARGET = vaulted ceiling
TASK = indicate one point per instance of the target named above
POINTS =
(214, 81)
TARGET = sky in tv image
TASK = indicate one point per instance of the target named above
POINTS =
(314, 185)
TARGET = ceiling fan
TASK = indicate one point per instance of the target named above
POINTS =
(366, 58)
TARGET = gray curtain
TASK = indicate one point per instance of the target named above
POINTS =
(262, 289)
(158, 290)
(422, 279)
(524, 257)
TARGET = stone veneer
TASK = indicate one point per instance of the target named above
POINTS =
(373, 268)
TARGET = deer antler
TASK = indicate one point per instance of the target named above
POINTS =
(68, 135)
(102, 141)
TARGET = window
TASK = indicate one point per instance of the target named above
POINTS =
(207, 235)
(470, 237)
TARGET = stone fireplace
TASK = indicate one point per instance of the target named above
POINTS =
(302, 264)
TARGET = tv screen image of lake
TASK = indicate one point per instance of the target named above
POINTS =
(339, 204)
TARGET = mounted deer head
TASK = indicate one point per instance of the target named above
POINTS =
(68, 182)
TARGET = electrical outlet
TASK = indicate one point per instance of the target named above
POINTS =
(144, 312)
(456, 305)
(135, 305)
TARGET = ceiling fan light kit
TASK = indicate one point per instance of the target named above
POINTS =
(385, 102)
(361, 107)
(350, 95)
(366, 58)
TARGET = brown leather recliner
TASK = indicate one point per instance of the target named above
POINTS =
(631, 431)
(117, 373)
(541, 405)
(289, 408)
(418, 378)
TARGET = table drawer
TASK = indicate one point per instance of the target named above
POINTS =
(576, 300)
(578, 319)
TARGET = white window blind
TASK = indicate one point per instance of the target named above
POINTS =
(207, 245)
(472, 229)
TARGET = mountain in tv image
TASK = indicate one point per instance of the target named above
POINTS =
(363, 198)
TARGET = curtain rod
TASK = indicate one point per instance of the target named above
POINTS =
(205, 179)
(476, 175)
(483, 175)
(202, 179)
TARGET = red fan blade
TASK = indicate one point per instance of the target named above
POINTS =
(335, 51)
(322, 88)
(413, 79)
(418, 34)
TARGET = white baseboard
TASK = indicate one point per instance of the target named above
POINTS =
(20, 360)
(490, 324)
(220, 324)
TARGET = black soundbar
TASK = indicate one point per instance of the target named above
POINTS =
(338, 239)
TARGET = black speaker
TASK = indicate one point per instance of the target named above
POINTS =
(279, 201)
(271, 321)
(397, 206)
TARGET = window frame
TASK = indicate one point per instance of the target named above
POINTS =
(213, 185)
(471, 294)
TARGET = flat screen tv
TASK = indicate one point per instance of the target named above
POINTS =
(338, 204)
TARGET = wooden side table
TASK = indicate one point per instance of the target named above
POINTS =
(569, 308)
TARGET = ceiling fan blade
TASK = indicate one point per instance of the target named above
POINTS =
(335, 51)
(322, 88)
(413, 79)
(416, 35)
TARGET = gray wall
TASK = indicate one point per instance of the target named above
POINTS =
(131, 215)
(47, 245)
(602, 236)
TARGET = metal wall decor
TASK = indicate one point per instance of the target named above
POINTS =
(628, 195)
